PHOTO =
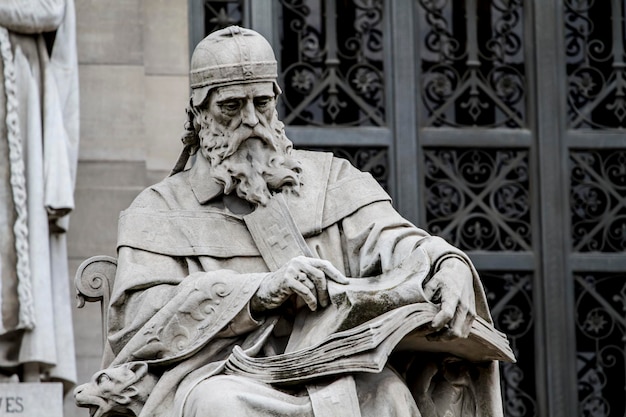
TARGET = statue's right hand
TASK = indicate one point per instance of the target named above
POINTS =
(303, 276)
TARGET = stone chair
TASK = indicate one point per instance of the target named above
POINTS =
(93, 282)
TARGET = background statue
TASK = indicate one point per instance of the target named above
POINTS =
(268, 281)
(38, 155)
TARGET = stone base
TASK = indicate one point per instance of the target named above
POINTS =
(31, 399)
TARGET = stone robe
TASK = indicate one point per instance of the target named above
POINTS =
(38, 156)
(188, 267)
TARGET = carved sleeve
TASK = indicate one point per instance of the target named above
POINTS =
(31, 16)
(144, 282)
(378, 239)
(375, 238)
(159, 313)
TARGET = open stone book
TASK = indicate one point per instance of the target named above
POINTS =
(366, 348)
(367, 320)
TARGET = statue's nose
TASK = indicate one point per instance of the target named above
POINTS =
(248, 115)
(78, 390)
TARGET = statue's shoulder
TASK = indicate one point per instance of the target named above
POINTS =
(331, 170)
(324, 166)
(312, 161)
(165, 194)
(332, 188)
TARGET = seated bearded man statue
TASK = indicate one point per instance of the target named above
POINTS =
(268, 281)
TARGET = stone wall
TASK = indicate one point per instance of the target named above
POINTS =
(134, 59)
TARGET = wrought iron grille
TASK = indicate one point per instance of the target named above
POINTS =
(601, 343)
(472, 60)
(479, 199)
(510, 297)
(222, 13)
(598, 206)
(332, 62)
(372, 159)
(594, 41)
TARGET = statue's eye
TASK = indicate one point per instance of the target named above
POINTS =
(102, 378)
(262, 102)
(230, 106)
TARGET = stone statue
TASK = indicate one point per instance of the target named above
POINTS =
(38, 154)
(121, 390)
(268, 281)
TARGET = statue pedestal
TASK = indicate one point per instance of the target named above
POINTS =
(29, 399)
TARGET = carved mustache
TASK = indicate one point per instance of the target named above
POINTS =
(242, 133)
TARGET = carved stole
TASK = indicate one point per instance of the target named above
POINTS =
(278, 239)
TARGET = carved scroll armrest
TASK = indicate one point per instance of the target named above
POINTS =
(93, 282)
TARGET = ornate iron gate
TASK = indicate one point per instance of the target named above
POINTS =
(497, 124)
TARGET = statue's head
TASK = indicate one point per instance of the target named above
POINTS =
(233, 121)
(231, 56)
(118, 391)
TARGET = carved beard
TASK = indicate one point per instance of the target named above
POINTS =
(253, 162)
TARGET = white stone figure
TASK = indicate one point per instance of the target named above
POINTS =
(38, 155)
(267, 281)
(121, 390)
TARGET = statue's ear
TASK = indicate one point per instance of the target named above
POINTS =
(129, 392)
(140, 369)
(122, 398)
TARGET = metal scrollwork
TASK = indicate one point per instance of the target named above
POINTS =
(594, 47)
(478, 199)
(598, 209)
(333, 72)
(221, 14)
(482, 84)
(600, 343)
(510, 298)
(374, 160)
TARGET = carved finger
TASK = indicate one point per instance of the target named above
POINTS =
(467, 325)
(304, 278)
(330, 271)
(318, 278)
(469, 318)
(304, 292)
(445, 314)
(430, 290)
(458, 324)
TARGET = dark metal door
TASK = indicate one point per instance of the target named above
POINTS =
(497, 124)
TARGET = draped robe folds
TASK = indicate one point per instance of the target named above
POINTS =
(188, 267)
(38, 156)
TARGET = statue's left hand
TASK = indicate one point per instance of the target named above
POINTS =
(452, 286)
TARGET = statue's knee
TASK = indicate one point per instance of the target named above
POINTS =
(215, 396)
(385, 394)
(384, 382)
